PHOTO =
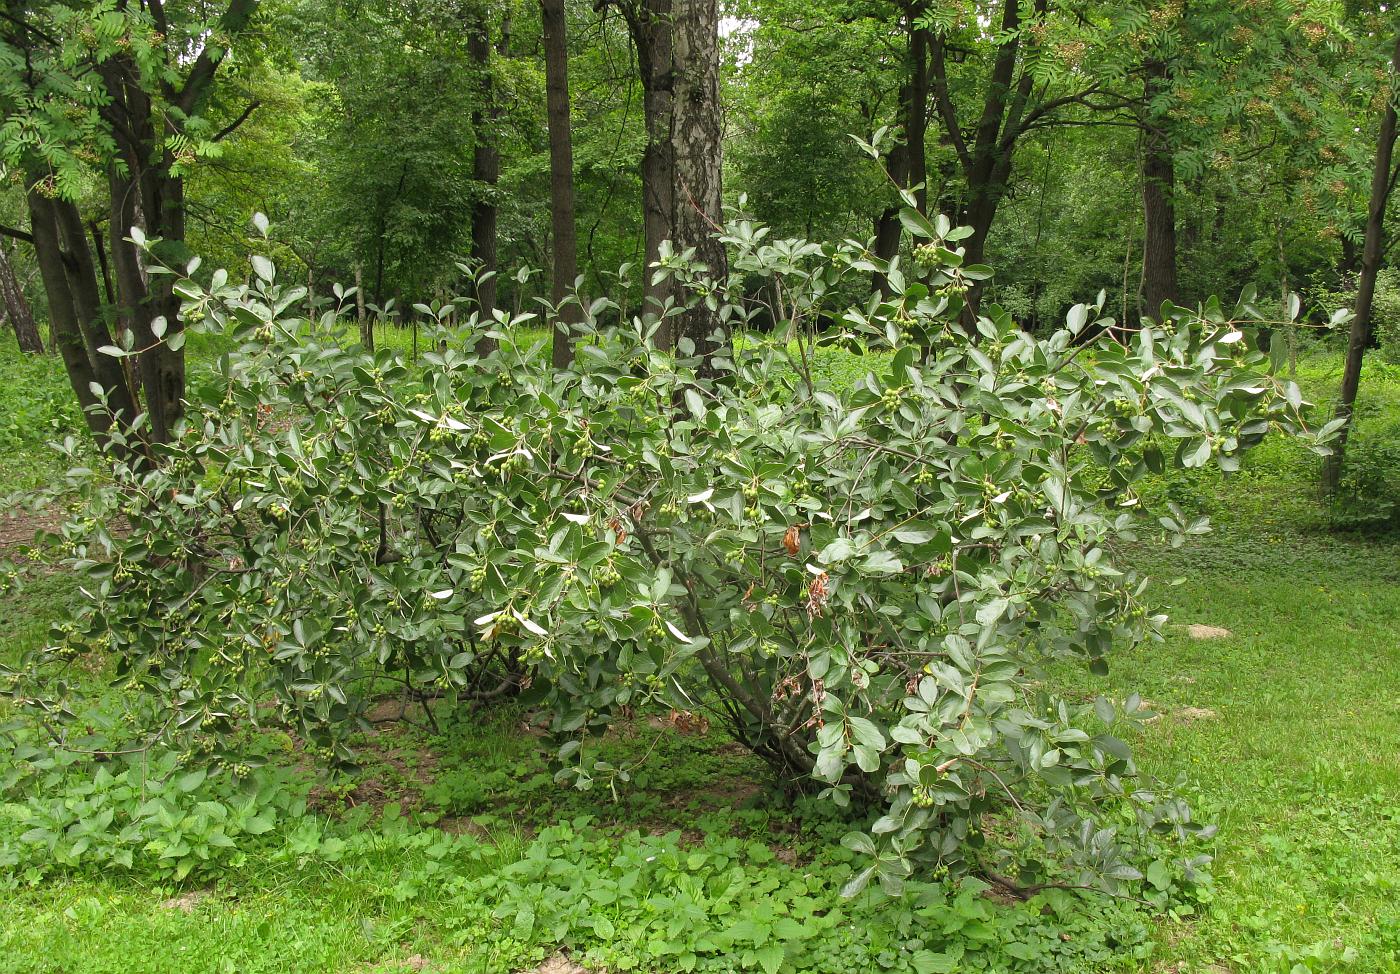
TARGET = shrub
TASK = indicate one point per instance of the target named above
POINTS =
(1368, 495)
(857, 579)
(1385, 315)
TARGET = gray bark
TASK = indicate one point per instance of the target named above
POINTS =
(696, 138)
(17, 308)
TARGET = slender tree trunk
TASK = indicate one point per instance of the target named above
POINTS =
(365, 322)
(486, 166)
(986, 157)
(561, 178)
(1159, 279)
(696, 134)
(100, 249)
(1372, 253)
(16, 307)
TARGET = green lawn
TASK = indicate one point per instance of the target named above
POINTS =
(1287, 735)
(456, 852)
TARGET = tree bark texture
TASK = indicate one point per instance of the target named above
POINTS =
(561, 178)
(17, 307)
(697, 136)
(1159, 277)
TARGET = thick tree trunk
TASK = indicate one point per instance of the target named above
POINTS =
(561, 178)
(651, 33)
(17, 307)
(145, 192)
(1372, 254)
(154, 201)
(76, 325)
(696, 134)
(486, 166)
(1159, 279)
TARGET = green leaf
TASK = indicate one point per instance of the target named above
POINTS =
(770, 957)
(837, 551)
(928, 962)
(882, 563)
(917, 224)
(858, 882)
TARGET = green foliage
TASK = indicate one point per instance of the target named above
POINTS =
(36, 408)
(143, 812)
(1385, 315)
(1368, 496)
(389, 126)
(654, 903)
(62, 64)
(859, 581)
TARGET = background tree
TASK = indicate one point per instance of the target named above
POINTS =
(561, 177)
(16, 305)
(1383, 177)
(109, 108)
(486, 153)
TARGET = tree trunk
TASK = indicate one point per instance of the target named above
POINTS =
(561, 178)
(1372, 253)
(146, 192)
(16, 307)
(986, 156)
(907, 163)
(651, 34)
(154, 201)
(366, 323)
(486, 167)
(696, 135)
(76, 325)
(1350, 261)
(1159, 281)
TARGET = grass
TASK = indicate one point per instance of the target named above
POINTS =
(1284, 733)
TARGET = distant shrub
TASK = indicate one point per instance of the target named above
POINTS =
(36, 403)
(1386, 315)
(1368, 496)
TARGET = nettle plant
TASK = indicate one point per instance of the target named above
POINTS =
(860, 582)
